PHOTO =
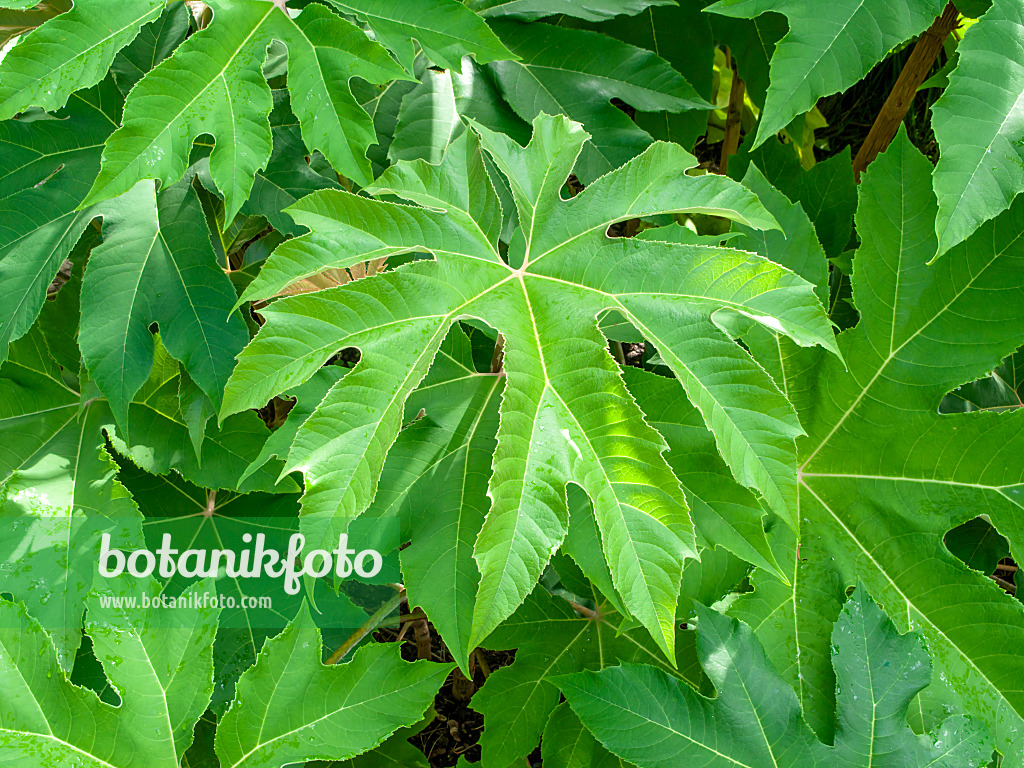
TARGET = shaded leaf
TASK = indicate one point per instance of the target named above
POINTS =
(289, 707)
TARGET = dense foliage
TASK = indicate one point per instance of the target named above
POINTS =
(694, 450)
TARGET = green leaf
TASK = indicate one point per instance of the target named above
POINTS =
(876, 665)
(979, 124)
(682, 36)
(445, 29)
(824, 54)
(156, 265)
(567, 744)
(561, 71)
(158, 439)
(396, 751)
(826, 192)
(19, 5)
(793, 622)
(290, 707)
(435, 478)
(46, 167)
(156, 41)
(288, 175)
(213, 84)
(653, 720)
(428, 120)
(590, 10)
(478, 97)
(725, 513)
(69, 52)
(882, 499)
(307, 398)
(158, 660)
(196, 410)
(54, 474)
(796, 246)
(552, 398)
(550, 639)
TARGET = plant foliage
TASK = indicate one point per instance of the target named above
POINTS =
(675, 444)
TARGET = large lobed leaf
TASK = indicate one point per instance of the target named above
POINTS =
(159, 662)
(290, 707)
(156, 265)
(213, 84)
(876, 503)
(563, 389)
(656, 721)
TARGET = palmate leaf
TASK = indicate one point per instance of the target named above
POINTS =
(69, 52)
(826, 53)
(201, 519)
(560, 71)
(54, 473)
(656, 721)
(45, 168)
(156, 265)
(158, 660)
(876, 503)
(213, 84)
(979, 124)
(565, 414)
(57, 480)
(289, 707)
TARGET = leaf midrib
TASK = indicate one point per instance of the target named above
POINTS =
(881, 570)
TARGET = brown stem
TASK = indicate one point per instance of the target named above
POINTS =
(498, 358)
(421, 631)
(903, 92)
(485, 668)
(733, 117)
(583, 609)
(1011, 588)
